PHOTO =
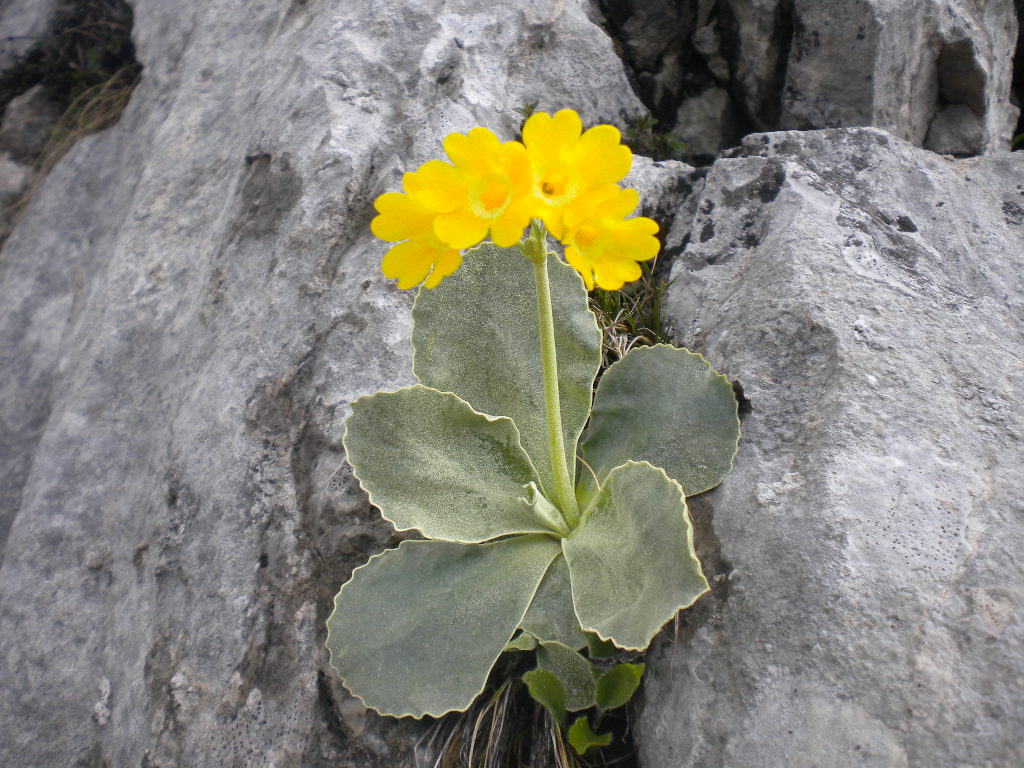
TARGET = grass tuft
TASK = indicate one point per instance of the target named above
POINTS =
(631, 317)
(505, 728)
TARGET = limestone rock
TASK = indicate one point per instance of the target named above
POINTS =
(27, 122)
(899, 65)
(23, 24)
(705, 123)
(866, 551)
(933, 72)
(190, 301)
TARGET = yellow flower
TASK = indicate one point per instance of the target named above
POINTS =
(567, 164)
(602, 244)
(484, 190)
(421, 256)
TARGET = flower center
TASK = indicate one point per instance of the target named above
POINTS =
(554, 184)
(494, 196)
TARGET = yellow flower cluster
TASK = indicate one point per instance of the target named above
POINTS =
(560, 174)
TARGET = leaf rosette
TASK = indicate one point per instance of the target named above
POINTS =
(463, 457)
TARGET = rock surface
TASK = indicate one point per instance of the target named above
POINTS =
(192, 298)
(189, 304)
(933, 72)
(27, 123)
(23, 23)
(869, 597)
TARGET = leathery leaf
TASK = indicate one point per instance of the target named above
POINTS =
(663, 405)
(631, 560)
(431, 462)
(573, 671)
(475, 334)
(551, 615)
(417, 629)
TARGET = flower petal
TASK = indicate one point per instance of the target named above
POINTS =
(410, 262)
(547, 138)
(507, 229)
(401, 218)
(619, 206)
(475, 154)
(600, 157)
(460, 229)
(446, 264)
(440, 186)
(581, 264)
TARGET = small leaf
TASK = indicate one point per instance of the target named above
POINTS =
(524, 641)
(546, 689)
(542, 510)
(572, 670)
(598, 648)
(476, 335)
(617, 685)
(666, 406)
(582, 738)
(430, 462)
(417, 629)
(551, 615)
(631, 560)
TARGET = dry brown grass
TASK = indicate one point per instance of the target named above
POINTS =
(93, 110)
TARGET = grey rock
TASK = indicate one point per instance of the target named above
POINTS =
(190, 301)
(955, 131)
(27, 123)
(866, 551)
(898, 63)
(15, 178)
(907, 66)
(706, 123)
(24, 24)
(15, 181)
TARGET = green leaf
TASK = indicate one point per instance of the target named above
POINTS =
(416, 630)
(573, 671)
(551, 615)
(431, 462)
(547, 690)
(666, 406)
(617, 685)
(631, 560)
(582, 738)
(524, 641)
(598, 648)
(476, 335)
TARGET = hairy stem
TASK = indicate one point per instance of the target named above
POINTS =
(565, 496)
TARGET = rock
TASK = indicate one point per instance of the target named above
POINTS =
(955, 131)
(15, 178)
(908, 66)
(24, 23)
(706, 124)
(15, 181)
(898, 64)
(190, 301)
(866, 551)
(27, 123)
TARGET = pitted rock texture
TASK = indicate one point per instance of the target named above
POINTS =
(190, 302)
(868, 602)
(933, 72)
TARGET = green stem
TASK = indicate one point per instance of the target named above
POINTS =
(566, 497)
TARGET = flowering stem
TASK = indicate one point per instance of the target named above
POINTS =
(566, 497)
